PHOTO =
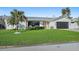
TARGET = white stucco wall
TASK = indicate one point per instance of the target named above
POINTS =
(46, 25)
(52, 24)
(71, 25)
(22, 25)
(41, 24)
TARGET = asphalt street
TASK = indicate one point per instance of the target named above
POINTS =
(57, 47)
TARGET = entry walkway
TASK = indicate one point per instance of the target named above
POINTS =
(76, 30)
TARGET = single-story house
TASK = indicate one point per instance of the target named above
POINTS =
(61, 22)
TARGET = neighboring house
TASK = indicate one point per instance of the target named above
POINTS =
(49, 23)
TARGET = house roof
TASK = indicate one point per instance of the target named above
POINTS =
(69, 18)
(39, 19)
(34, 18)
(43, 18)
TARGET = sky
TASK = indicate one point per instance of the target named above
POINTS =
(39, 11)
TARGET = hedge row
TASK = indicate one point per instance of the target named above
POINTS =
(35, 28)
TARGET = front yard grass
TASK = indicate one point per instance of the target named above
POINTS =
(34, 37)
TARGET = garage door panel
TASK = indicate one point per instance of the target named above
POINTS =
(62, 25)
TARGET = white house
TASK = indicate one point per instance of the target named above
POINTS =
(64, 23)
(61, 22)
(49, 23)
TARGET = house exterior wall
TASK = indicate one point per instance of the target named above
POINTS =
(44, 24)
(21, 25)
(47, 24)
(52, 25)
(71, 25)
(41, 24)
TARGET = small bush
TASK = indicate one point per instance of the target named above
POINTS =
(52, 27)
(35, 28)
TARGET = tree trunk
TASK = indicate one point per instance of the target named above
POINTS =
(17, 26)
(26, 24)
(16, 23)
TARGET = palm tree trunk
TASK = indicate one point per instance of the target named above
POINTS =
(17, 26)
(16, 23)
(26, 24)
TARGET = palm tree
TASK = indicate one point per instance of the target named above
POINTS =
(68, 11)
(63, 12)
(16, 16)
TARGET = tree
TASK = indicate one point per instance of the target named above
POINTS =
(66, 12)
(63, 12)
(16, 16)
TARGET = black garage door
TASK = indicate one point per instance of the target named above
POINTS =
(62, 25)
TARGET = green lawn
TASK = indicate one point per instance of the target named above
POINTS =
(33, 37)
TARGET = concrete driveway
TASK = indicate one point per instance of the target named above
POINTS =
(58, 47)
(76, 30)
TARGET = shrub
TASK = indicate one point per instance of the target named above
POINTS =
(35, 28)
(51, 27)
